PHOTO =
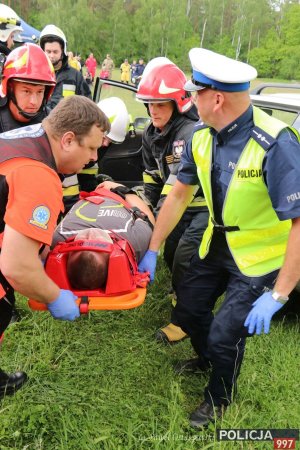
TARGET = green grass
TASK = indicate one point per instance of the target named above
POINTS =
(103, 383)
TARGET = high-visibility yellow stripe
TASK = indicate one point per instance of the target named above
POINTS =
(92, 171)
(72, 190)
(148, 179)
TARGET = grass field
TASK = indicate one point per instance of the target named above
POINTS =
(104, 383)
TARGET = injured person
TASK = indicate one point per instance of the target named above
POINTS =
(99, 224)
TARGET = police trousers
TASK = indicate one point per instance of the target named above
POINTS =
(182, 244)
(218, 339)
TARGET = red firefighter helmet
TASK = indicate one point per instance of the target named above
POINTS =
(30, 64)
(163, 81)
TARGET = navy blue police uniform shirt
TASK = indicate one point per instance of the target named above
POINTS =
(281, 166)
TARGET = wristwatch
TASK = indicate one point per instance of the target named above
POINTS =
(279, 298)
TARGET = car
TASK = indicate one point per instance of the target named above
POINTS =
(124, 162)
(280, 100)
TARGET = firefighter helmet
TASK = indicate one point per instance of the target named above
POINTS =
(10, 22)
(163, 81)
(29, 64)
(115, 109)
(52, 33)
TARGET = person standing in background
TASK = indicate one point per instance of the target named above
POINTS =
(69, 81)
(108, 65)
(125, 71)
(73, 62)
(91, 65)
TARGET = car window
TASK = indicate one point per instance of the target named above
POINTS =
(286, 116)
(135, 108)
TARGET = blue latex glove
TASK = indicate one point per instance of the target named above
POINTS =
(261, 314)
(64, 306)
(148, 263)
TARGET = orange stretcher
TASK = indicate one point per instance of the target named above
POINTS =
(125, 287)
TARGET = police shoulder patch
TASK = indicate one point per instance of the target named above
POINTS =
(40, 217)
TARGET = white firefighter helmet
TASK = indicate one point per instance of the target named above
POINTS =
(10, 22)
(54, 33)
(115, 109)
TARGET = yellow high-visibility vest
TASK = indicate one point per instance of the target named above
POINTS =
(259, 246)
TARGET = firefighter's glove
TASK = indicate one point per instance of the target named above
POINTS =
(148, 263)
(64, 306)
(261, 313)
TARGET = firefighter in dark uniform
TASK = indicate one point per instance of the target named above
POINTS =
(28, 80)
(173, 119)
(30, 201)
(69, 81)
(248, 164)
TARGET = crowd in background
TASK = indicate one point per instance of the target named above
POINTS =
(130, 72)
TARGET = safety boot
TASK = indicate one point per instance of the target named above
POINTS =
(171, 334)
(206, 413)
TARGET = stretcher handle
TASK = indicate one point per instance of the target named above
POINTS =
(82, 302)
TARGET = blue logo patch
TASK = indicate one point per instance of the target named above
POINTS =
(40, 217)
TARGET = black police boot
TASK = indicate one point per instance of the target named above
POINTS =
(206, 413)
(11, 382)
(191, 366)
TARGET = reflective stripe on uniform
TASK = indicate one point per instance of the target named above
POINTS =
(91, 171)
(147, 178)
(196, 202)
(71, 180)
(171, 179)
(72, 190)
(68, 90)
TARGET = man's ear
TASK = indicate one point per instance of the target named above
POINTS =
(67, 140)
(219, 100)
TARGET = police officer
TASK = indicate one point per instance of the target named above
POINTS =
(69, 81)
(248, 164)
(173, 119)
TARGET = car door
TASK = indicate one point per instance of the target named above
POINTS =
(123, 162)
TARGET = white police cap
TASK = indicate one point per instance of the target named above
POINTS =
(216, 71)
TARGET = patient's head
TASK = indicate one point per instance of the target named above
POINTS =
(87, 270)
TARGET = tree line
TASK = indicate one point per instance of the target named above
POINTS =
(265, 33)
